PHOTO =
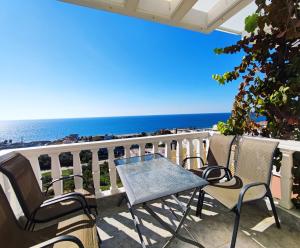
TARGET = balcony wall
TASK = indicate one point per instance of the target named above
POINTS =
(187, 144)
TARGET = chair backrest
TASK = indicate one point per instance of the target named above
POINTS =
(10, 231)
(22, 178)
(255, 159)
(219, 149)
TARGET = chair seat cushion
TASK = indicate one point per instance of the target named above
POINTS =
(228, 192)
(65, 207)
(81, 226)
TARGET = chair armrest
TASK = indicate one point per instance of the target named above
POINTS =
(72, 194)
(61, 179)
(209, 169)
(187, 158)
(246, 188)
(58, 239)
(45, 204)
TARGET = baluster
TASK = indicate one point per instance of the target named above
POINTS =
(179, 152)
(202, 146)
(204, 149)
(286, 181)
(189, 153)
(155, 147)
(35, 164)
(96, 172)
(77, 169)
(168, 149)
(56, 173)
(141, 149)
(127, 152)
(112, 171)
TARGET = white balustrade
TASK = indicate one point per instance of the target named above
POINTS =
(77, 169)
(96, 172)
(193, 145)
(189, 153)
(286, 179)
(168, 149)
(56, 173)
(34, 161)
(112, 171)
(179, 152)
(141, 149)
(55, 150)
(127, 151)
(155, 147)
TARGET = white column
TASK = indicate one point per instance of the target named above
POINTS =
(141, 149)
(286, 180)
(204, 149)
(189, 153)
(155, 147)
(35, 164)
(179, 152)
(77, 170)
(112, 171)
(168, 149)
(96, 172)
(197, 146)
(56, 173)
(127, 151)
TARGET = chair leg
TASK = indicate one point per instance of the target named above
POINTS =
(27, 224)
(96, 210)
(33, 226)
(235, 228)
(269, 195)
(200, 203)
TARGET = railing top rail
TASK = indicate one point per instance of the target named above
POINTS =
(291, 145)
(109, 143)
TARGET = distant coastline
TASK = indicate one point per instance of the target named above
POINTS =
(25, 131)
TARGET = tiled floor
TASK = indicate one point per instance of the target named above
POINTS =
(257, 228)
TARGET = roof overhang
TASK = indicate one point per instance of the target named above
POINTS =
(198, 15)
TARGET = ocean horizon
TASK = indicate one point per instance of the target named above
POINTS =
(52, 129)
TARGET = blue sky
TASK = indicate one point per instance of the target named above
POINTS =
(59, 60)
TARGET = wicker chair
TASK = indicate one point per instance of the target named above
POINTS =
(79, 231)
(250, 182)
(36, 205)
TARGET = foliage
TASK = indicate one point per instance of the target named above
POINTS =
(270, 70)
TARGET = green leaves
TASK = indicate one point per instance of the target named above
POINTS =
(270, 69)
(219, 78)
(251, 23)
(218, 50)
(280, 97)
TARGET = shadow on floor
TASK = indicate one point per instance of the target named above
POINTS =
(257, 227)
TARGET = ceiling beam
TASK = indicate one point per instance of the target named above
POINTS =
(131, 5)
(182, 9)
(222, 11)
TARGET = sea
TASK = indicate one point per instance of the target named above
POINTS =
(53, 129)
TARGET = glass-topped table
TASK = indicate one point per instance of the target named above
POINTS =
(152, 177)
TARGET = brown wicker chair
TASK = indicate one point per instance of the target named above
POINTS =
(218, 155)
(37, 207)
(79, 231)
(250, 182)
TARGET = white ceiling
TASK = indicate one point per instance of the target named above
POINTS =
(198, 15)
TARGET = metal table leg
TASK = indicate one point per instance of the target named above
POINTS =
(175, 233)
(136, 223)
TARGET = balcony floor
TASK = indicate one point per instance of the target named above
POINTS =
(257, 228)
